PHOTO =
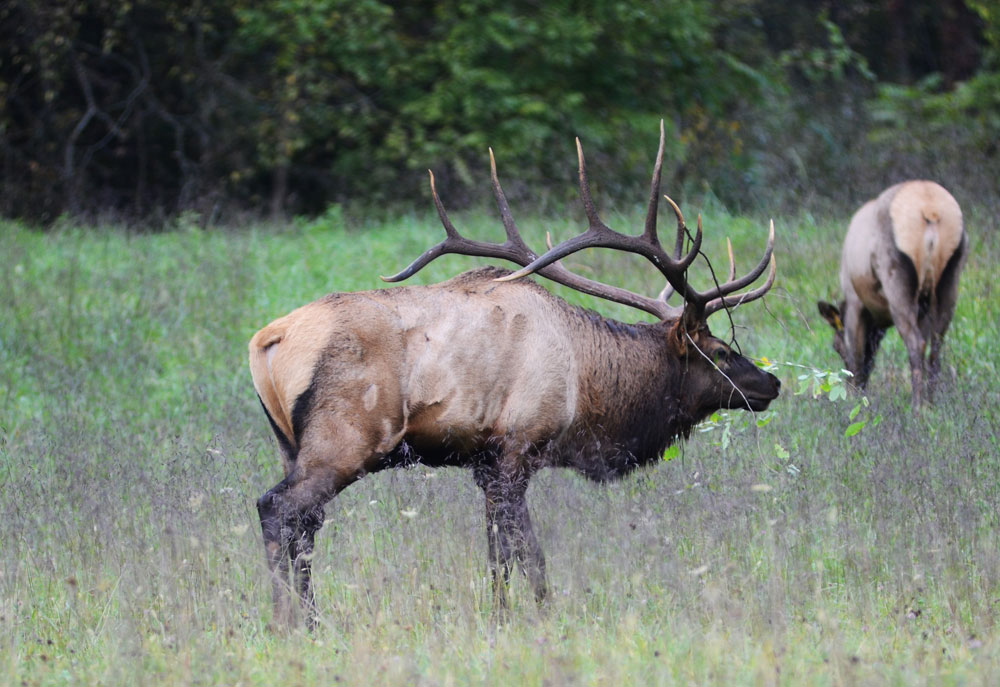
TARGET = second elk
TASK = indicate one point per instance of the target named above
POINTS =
(492, 372)
(900, 265)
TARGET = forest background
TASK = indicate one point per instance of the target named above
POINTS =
(222, 110)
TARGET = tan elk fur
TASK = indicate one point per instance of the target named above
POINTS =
(451, 362)
(899, 266)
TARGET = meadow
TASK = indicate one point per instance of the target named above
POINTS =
(837, 539)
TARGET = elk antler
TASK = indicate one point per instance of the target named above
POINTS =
(598, 234)
(513, 249)
(699, 304)
(723, 296)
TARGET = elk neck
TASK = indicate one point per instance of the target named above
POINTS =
(634, 399)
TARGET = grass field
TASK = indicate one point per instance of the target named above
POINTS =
(133, 448)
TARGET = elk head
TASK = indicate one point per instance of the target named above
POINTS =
(832, 314)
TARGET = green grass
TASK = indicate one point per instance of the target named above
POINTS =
(133, 448)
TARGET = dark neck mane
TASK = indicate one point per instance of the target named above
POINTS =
(632, 398)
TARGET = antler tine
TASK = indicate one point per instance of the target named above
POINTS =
(665, 293)
(668, 290)
(654, 194)
(513, 236)
(751, 276)
(435, 251)
(599, 235)
(732, 261)
(449, 228)
(588, 203)
(732, 300)
(513, 249)
(681, 227)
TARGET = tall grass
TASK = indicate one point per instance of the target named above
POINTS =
(132, 448)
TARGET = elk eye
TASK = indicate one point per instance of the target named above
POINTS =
(720, 355)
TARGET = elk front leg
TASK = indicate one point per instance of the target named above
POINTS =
(499, 553)
(509, 533)
(529, 553)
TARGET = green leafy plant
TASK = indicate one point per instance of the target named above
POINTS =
(832, 384)
(813, 382)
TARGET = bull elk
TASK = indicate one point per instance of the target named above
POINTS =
(492, 372)
(900, 265)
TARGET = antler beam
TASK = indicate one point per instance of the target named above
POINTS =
(599, 235)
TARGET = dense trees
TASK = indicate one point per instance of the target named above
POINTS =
(152, 107)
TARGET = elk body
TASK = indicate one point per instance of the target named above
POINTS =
(900, 266)
(494, 373)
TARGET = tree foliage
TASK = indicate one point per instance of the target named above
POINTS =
(152, 107)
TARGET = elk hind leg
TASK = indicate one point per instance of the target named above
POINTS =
(942, 312)
(277, 540)
(903, 307)
(292, 512)
(301, 553)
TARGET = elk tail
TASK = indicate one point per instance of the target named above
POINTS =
(926, 278)
(263, 346)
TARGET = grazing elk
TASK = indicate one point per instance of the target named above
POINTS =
(492, 373)
(900, 265)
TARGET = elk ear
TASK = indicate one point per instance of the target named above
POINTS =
(831, 314)
(677, 338)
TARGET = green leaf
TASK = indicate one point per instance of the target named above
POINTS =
(780, 451)
(854, 412)
(672, 452)
(854, 428)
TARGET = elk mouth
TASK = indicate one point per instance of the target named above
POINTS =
(758, 403)
(746, 400)
(757, 400)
